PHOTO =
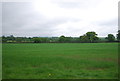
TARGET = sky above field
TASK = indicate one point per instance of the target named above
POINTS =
(46, 18)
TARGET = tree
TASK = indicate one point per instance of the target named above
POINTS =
(19, 39)
(68, 39)
(92, 36)
(62, 39)
(110, 38)
(10, 38)
(54, 39)
(44, 40)
(40, 40)
(4, 39)
(89, 37)
(84, 38)
(36, 40)
(118, 35)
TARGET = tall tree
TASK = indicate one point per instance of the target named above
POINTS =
(92, 36)
(110, 38)
(62, 39)
(89, 37)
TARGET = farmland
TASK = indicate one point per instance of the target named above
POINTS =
(60, 61)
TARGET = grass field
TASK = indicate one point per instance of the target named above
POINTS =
(60, 61)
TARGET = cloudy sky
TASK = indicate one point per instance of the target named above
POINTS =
(46, 18)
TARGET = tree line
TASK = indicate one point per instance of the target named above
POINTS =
(89, 37)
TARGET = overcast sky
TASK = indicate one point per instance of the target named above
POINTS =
(46, 18)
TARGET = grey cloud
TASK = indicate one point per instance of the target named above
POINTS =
(113, 22)
(76, 3)
(16, 19)
(20, 19)
(69, 4)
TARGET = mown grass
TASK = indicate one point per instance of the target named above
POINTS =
(60, 61)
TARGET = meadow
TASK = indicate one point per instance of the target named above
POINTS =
(60, 61)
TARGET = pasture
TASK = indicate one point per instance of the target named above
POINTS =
(60, 61)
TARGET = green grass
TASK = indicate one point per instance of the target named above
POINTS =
(60, 61)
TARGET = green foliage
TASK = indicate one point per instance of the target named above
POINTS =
(40, 40)
(110, 38)
(12, 39)
(36, 40)
(102, 39)
(62, 39)
(19, 39)
(60, 61)
(89, 37)
(4, 39)
(53, 40)
(84, 38)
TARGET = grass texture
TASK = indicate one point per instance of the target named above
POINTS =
(60, 61)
